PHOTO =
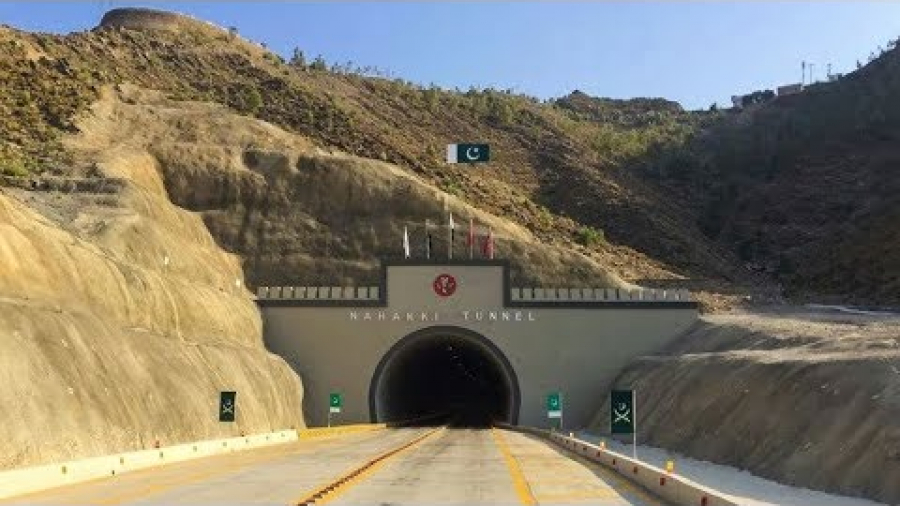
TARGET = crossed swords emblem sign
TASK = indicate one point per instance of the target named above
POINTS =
(622, 413)
(228, 407)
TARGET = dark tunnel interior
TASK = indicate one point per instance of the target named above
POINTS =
(445, 378)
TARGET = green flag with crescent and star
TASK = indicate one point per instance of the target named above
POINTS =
(468, 153)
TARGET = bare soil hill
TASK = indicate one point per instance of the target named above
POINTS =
(299, 214)
(806, 398)
(554, 174)
(154, 164)
(121, 318)
(797, 193)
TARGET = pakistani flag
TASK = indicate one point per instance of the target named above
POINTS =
(468, 153)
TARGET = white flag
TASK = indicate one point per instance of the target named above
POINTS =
(405, 243)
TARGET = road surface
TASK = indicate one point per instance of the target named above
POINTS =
(421, 465)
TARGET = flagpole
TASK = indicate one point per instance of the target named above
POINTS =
(471, 238)
(405, 243)
(427, 241)
(488, 248)
(634, 432)
(452, 230)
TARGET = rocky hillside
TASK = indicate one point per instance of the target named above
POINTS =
(118, 309)
(804, 188)
(807, 399)
(555, 174)
(297, 213)
(156, 167)
(797, 191)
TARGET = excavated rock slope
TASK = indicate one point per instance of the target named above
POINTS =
(121, 315)
(121, 320)
(299, 214)
(803, 398)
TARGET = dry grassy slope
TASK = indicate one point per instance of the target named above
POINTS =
(96, 325)
(548, 176)
(805, 399)
(298, 214)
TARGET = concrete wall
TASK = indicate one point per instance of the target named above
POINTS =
(572, 346)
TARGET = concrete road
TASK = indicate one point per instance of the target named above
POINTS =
(460, 466)
(452, 466)
(280, 474)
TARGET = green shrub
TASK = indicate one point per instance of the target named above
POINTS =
(13, 167)
(250, 101)
(590, 236)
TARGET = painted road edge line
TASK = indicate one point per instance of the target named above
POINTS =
(669, 486)
(520, 483)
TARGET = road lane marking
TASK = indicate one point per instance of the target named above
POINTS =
(208, 473)
(619, 483)
(613, 481)
(332, 489)
(253, 457)
(520, 484)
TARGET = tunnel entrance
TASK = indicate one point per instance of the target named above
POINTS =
(446, 372)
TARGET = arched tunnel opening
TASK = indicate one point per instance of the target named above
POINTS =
(445, 374)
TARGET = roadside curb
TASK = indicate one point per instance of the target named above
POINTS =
(667, 485)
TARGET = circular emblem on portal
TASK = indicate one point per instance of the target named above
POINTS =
(444, 285)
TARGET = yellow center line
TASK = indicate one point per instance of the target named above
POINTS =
(523, 491)
(327, 492)
(223, 468)
(244, 459)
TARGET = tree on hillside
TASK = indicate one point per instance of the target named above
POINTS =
(319, 64)
(431, 97)
(298, 59)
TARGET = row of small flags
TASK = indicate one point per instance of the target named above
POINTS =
(486, 241)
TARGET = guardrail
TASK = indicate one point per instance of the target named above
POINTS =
(667, 485)
(318, 292)
(599, 294)
(338, 430)
(372, 293)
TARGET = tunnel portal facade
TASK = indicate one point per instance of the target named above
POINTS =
(455, 339)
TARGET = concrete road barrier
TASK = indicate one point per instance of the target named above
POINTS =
(669, 486)
(32, 479)
(314, 432)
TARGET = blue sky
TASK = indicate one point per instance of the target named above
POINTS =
(695, 53)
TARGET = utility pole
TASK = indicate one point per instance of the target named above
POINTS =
(811, 67)
(803, 76)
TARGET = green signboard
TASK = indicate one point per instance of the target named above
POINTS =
(554, 405)
(621, 412)
(468, 153)
(334, 403)
(227, 406)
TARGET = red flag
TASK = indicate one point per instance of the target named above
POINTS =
(487, 247)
